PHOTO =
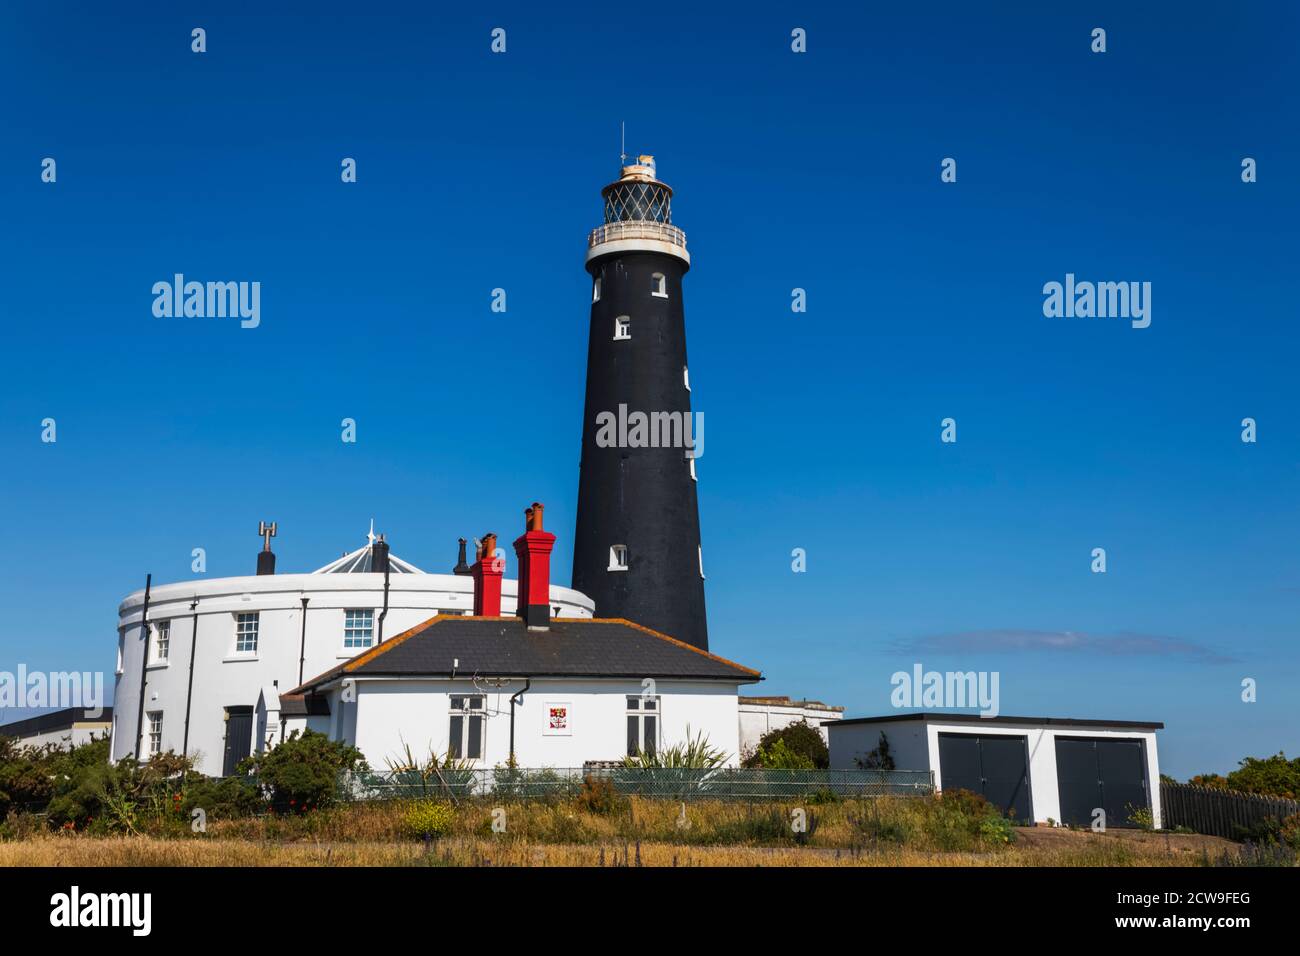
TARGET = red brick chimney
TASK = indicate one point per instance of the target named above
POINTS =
(487, 571)
(533, 549)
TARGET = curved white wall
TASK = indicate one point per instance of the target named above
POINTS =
(223, 678)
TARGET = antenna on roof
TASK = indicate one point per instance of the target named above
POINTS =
(622, 143)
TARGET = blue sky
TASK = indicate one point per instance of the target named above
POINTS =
(818, 171)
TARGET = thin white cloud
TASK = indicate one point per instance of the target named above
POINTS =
(1118, 644)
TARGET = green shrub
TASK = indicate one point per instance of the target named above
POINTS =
(226, 798)
(997, 830)
(427, 820)
(878, 759)
(962, 820)
(695, 753)
(302, 773)
(1141, 817)
(779, 755)
(599, 795)
(25, 776)
(1272, 776)
(798, 738)
(1289, 831)
(822, 796)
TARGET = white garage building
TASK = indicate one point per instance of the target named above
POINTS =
(1037, 768)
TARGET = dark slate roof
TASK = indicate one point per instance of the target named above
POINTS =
(942, 718)
(505, 647)
(56, 720)
(300, 705)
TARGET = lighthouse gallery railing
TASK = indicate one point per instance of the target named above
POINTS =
(637, 229)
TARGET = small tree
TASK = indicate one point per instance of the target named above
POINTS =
(800, 738)
(302, 773)
(779, 756)
(878, 759)
(1273, 776)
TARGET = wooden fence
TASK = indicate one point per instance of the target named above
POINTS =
(1225, 813)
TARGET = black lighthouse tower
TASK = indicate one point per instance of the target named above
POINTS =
(637, 543)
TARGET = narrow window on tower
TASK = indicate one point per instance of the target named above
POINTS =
(622, 328)
(155, 731)
(162, 637)
(686, 377)
(246, 633)
(660, 286)
(595, 290)
(690, 460)
(618, 557)
(699, 549)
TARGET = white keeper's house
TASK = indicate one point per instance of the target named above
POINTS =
(211, 646)
(453, 664)
(543, 690)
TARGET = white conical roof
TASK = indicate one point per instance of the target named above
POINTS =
(361, 561)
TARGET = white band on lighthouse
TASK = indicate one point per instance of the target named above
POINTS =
(619, 237)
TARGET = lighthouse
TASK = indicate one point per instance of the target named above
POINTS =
(637, 550)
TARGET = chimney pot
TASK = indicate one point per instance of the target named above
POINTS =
(266, 557)
(461, 567)
(487, 572)
(379, 555)
(533, 517)
(533, 549)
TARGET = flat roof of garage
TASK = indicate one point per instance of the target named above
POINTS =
(977, 719)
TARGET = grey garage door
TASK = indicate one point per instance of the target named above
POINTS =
(996, 766)
(1098, 772)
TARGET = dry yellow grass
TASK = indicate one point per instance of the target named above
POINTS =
(1066, 849)
(890, 831)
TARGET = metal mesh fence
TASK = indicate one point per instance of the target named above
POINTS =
(667, 783)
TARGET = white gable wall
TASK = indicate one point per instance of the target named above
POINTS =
(757, 719)
(388, 714)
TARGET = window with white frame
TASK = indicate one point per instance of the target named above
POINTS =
(155, 731)
(660, 286)
(622, 328)
(358, 628)
(618, 557)
(699, 549)
(595, 290)
(465, 733)
(162, 641)
(690, 461)
(642, 725)
(686, 377)
(246, 633)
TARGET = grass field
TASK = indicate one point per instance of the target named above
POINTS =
(635, 832)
